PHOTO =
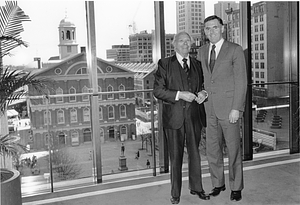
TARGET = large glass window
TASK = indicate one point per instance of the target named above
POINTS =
(126, 117)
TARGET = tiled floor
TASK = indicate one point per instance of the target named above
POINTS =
(269, 179)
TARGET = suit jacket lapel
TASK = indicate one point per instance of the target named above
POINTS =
(176, 70)
(194, 71)
(206, 56)
(221, 55)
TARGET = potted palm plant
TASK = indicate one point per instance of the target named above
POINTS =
(12, 84)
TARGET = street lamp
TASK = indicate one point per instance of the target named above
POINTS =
(49, 142)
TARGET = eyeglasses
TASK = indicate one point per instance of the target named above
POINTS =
(214, 28)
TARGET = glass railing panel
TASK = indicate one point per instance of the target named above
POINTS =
(66, 137)
(125, 132)
(127, 144)
(270, 117)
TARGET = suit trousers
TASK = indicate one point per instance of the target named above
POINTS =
(216, 130)
(189, 133)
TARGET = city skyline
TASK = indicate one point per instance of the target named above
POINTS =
(43, 42)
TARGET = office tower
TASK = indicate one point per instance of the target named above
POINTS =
(267, 35)
(141, 45)
(267, 47)
(222, 6)
(190, 16)
(119, 53)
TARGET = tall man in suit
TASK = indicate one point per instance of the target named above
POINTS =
(225, 81)
(183, 117)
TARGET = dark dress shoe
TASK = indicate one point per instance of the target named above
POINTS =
(175, 200)
(216, 191)
(236, 195)
(201, 194)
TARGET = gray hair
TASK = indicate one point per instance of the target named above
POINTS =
(180, 33)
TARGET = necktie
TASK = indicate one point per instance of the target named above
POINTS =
(185, 65)
(212, 58)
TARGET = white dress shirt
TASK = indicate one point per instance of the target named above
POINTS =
(217, 48)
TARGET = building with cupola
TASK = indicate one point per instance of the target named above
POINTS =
(69, 113)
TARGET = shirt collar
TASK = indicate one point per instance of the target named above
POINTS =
(179, 58)
(218, 44)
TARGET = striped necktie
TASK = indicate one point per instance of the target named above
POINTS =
(185, 65)
(212, 58)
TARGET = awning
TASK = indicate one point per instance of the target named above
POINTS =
(12, 112)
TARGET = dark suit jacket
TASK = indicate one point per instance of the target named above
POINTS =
(227, 84)
(169, 78)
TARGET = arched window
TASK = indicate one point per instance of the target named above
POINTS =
(110, 89)
(123, 130)
(123, 133)
(122, 88)
(73, 115)
(61, 138)
(85, 97)
(45, 118)
(122, 111)
(62, 35)
(47, 139)
(72, 90)
(99, 90)
(73, 34)
(60, 117)
(68, 35)
(86, 115)
(87, 135)
(44, 99)
(100, 113)
(81, 71)
(59, 91)
(111, 114)
(74, 138)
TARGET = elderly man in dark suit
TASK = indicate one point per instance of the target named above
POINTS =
(178, 81)
(225, 81)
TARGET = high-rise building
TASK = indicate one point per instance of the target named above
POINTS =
(141, 46)
(119, 53)
(267, 48)
(190, 16)
(222, 6)
(233, 26)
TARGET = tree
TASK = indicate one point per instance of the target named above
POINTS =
(9, 147)
(12, 82)
(65, 164)
(11, 26)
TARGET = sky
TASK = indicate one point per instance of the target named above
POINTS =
(112, 19)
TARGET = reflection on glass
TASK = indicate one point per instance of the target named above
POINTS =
(270, 120)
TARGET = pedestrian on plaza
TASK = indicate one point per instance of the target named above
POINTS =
(148, 164)
(137, 156)
(178, 80)
(225, 80)
(122, 149)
